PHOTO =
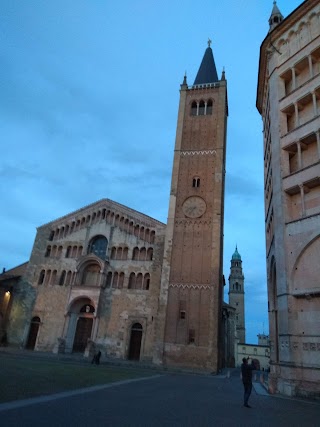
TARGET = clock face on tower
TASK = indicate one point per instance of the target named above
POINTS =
(194, 207)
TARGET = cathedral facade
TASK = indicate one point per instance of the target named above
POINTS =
(110, 278)
(288, 99)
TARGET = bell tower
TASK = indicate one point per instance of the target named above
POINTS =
(192, 277)
(236, 294)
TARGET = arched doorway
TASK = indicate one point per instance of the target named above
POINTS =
(135, 342)
(33, 333)
(83, 328)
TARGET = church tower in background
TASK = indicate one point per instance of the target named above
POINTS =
(236, 294)
(192, 280)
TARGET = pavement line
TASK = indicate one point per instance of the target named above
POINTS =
(41, 399)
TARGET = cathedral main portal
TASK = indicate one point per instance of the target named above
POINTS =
(83, 333)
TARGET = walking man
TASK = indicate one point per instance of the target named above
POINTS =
(246, 372)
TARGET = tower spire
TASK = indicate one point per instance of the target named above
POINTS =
(276, 16)
(207, 72)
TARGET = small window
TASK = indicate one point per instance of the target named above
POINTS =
(48, 252)
(115, 280)
(182, 314)
(51, 236)
(196, 182)
(62, 278)
(135, 254)
(192, 335)
(209, 107)
(132, 281)
(41, 277)
(120, 281)
(109, 279)
(194, 108)
(201, 108)
(146, 281)
(150, 254)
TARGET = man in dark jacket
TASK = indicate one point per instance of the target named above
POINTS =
(246, 372)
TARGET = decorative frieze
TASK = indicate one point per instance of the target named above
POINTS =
(295, 346)
(188, 286)
(198, 152)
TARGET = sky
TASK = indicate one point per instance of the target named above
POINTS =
(89, 94)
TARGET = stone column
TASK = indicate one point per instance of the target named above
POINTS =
(310, 66)
(318, 142)
(303, 210)
(314, 99)
(296, 113)
(293, 73)
(299, 155)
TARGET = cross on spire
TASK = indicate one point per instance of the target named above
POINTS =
(209, 42)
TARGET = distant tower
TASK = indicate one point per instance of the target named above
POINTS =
(276, 17)
(236, 293)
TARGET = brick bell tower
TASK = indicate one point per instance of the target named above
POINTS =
(191, 294)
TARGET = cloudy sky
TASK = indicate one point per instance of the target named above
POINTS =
(89, 93)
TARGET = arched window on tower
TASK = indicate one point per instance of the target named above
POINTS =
(196, 182)
(209, 107)
(201, 108)
(194, 108)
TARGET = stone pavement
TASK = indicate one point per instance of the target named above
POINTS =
(165, 399)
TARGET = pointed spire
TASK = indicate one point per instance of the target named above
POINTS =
(207, 72)
(276, 16)
(184, 84)
(223, 76)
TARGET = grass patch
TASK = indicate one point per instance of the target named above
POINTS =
(22, 378)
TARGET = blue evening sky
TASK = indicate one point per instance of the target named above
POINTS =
(89, 94)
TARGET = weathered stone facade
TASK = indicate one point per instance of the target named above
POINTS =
(96, 273)
(288, 98)
(16, 298)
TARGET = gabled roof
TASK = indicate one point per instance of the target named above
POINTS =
(17, 271)
(108, 204)
(207, 72)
